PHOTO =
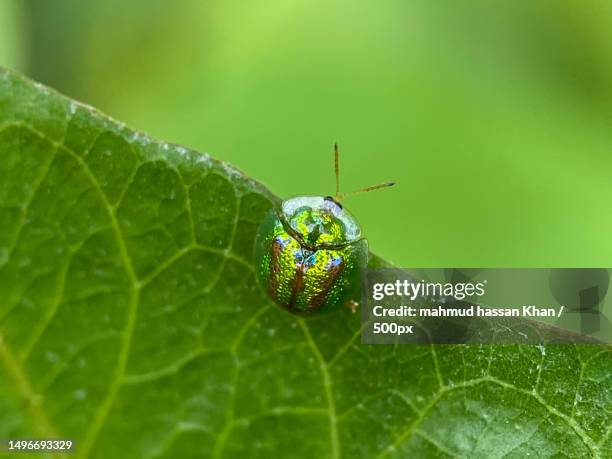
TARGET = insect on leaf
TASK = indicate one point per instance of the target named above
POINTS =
(130, 322)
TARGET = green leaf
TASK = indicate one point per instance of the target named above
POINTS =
(130, 323)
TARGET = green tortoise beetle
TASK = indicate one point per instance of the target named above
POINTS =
(310, 252)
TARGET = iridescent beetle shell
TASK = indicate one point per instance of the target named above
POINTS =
(309, 254)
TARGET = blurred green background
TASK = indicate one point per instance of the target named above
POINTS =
(493, 117)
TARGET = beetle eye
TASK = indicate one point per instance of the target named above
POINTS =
(331, 199)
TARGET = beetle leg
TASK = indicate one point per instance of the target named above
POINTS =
(352, 305)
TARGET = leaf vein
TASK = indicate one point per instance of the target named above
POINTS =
(328, 391)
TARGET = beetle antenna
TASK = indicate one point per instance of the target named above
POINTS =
(336, 154)
(340, 196)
